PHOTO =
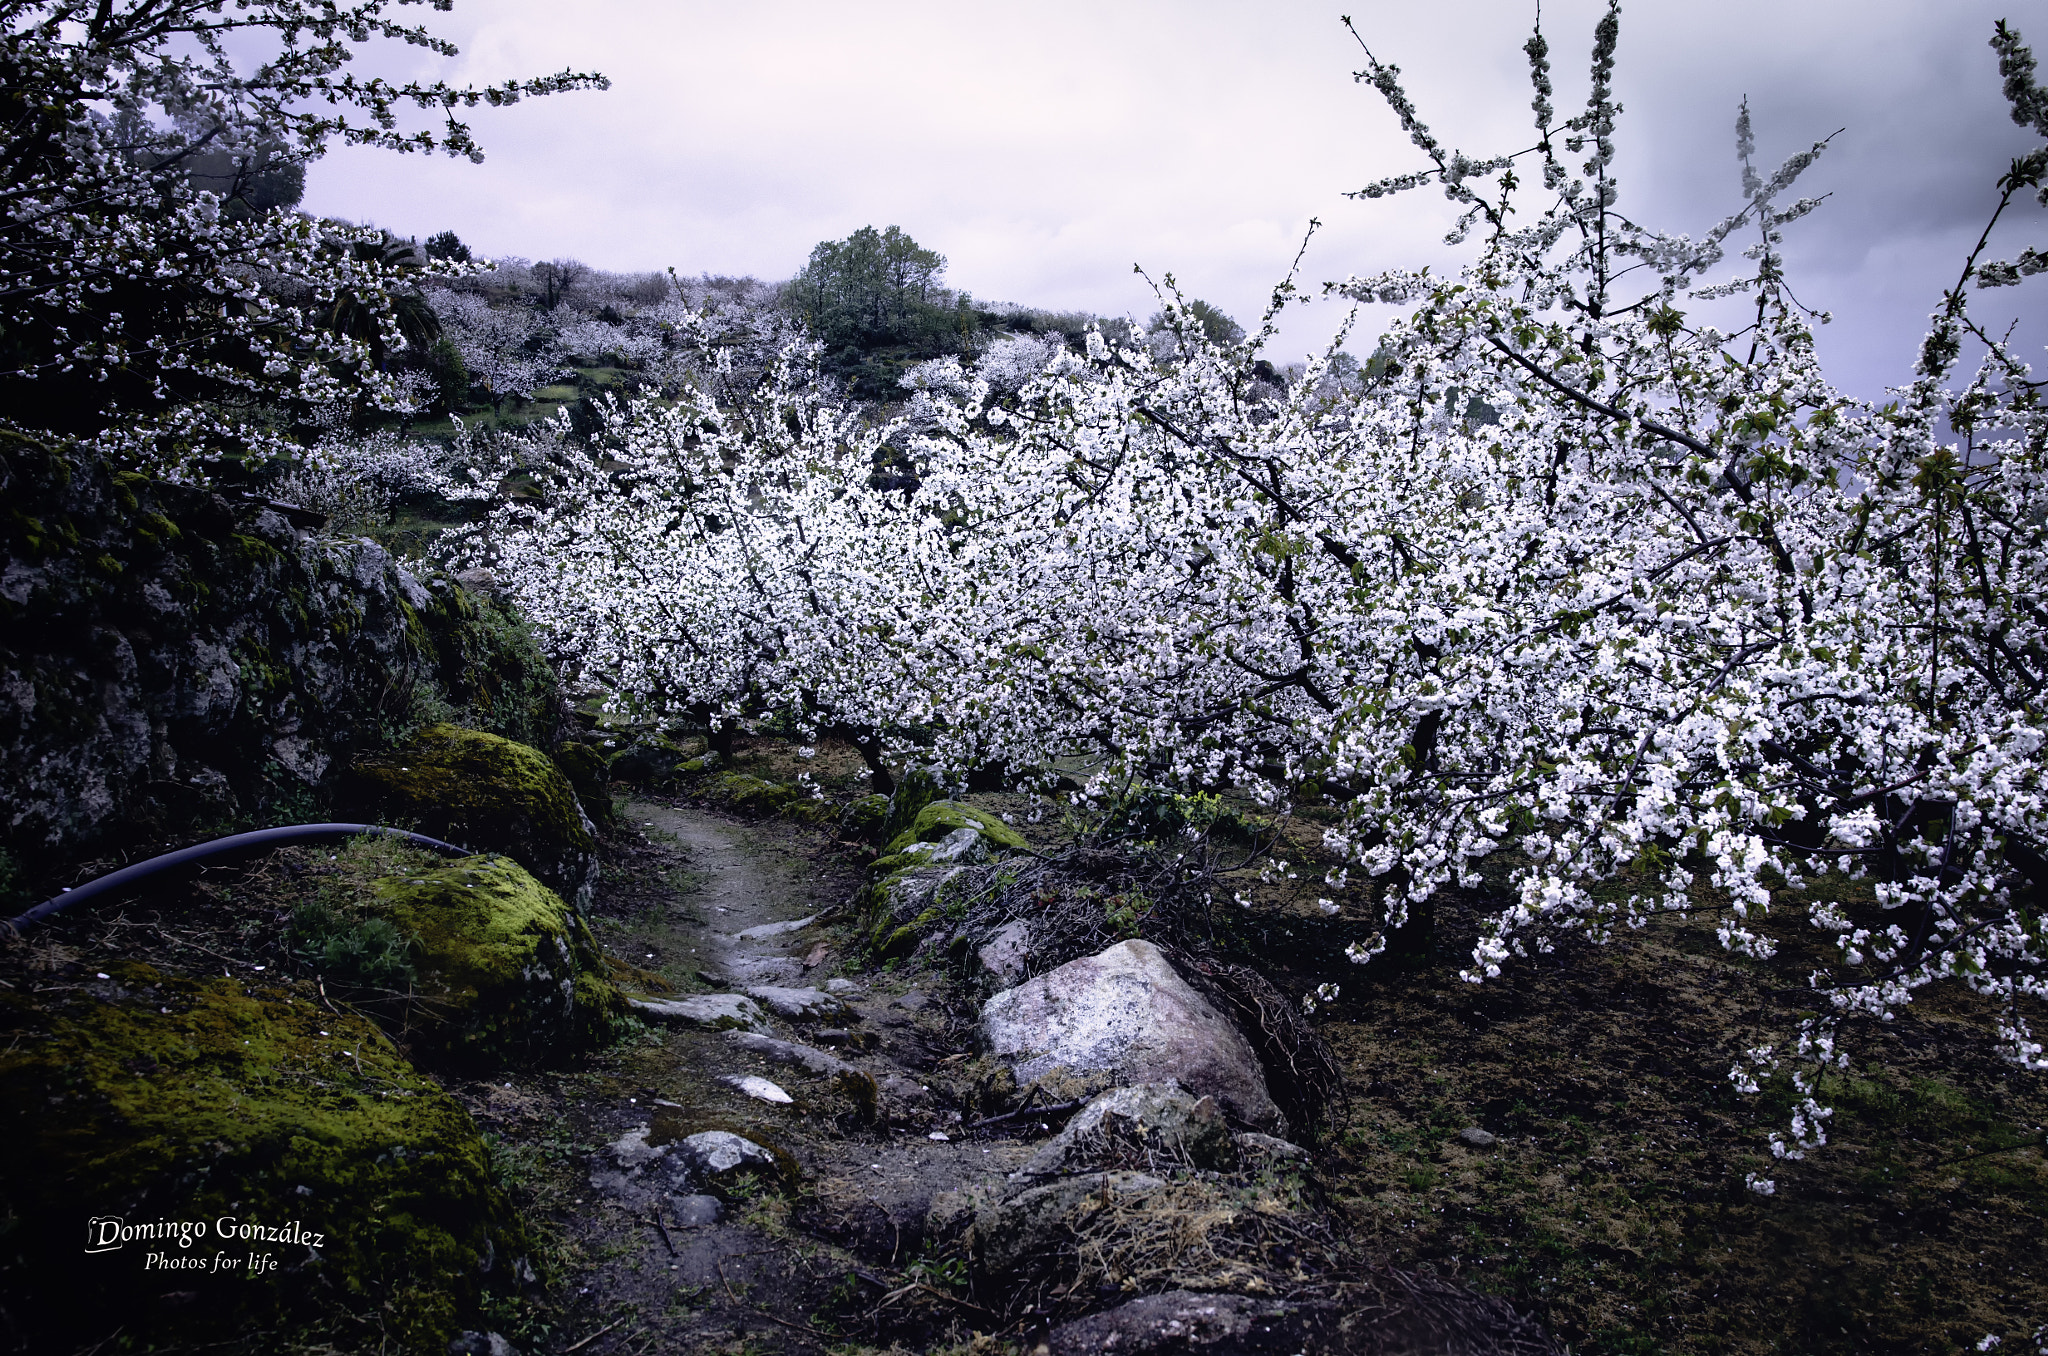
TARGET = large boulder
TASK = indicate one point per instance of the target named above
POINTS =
(492, 794)
(1126, 1013)
(507, 971)
(159, 1111)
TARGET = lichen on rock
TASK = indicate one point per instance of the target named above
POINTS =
(1126, 1012)
(143, 1099)
(174, 662)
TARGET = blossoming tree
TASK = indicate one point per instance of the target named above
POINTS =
(142, 316)
(1636, 603)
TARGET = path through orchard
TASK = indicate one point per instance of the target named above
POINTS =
(654, 1260)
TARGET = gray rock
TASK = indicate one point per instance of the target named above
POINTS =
(841, 986)
(1159, 1119)
(757, 1087)
(720, 1153)
(961, 847)
(715, 1011)
(1004, 957)
(1477, 1138)
(481, 1343)
(788, 1052)
(767, 930)
(694, 1212)
(1033, 1222)
(910, 892)
(631, 1151)
(1124, 1011)
(951, 1212)
(798, 1005)
(1183, 1321)
(1252, 1142)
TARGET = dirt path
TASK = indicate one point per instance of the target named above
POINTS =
(747, 898)
(679, 1263)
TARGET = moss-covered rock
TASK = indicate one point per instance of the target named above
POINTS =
(864, 819)
(752, 795)
(151, 1101)
(590, 777)
(940, 818)
(507, 971)
(654, 761)
(891, 940)
(492, 794)
(916, 790)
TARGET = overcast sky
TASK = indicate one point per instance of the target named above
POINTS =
(1046, 148)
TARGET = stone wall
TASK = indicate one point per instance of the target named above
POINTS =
(175, 663)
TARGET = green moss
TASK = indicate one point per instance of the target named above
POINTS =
(156, 530)
(744, 792)
(252, 551)
(507, 971)
(154, 1099)
(484, 791)
(917, 790)
(487, 662)
(942, 817)
(890, 943)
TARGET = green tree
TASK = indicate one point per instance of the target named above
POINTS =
(448, 245)
(1217, 326)
(877, 303)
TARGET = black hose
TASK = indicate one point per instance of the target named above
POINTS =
(220, 850)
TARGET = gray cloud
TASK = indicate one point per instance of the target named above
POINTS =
(1046, 148)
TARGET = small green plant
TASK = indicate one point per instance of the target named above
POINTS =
(946, 1272)
(363, 953)
(332, 934)
(1124, 913)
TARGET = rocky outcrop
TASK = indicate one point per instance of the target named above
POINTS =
(172, 660)
(1126, 1013)
(139, 1098)
(907, 893)
(942, 819)
(489, 793)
